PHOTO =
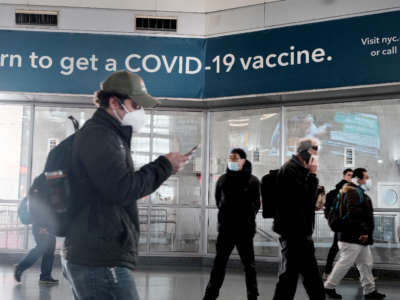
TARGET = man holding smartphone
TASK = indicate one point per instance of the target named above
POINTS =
(294, 222)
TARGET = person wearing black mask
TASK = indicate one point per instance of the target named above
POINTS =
(295, 221)
(238, 200)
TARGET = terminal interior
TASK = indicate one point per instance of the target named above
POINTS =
(357, 126)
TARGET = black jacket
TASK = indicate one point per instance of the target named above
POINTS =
(359, 219)
(295, 217)
(331, 196)
(105, 232)
(238, 199)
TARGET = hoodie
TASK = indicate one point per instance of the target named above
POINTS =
(237, 197)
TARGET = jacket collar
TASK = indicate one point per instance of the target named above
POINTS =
(242, 174)
(101, 116)
(297, 161)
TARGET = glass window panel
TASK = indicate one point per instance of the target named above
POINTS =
(140, 144)
(372, 130)
(12, 232)
(265, 240)
(143, 220)
(212, 230)
(174, 229)
(140, 160)
(184, 131)
(15, 136)
(168, 192)
(162, 124)
(51, 127)
(368, 127)
(256, 131)
(161, 145)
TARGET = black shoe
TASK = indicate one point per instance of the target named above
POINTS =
(252, 297)
(375, 295)
(17, 273)
(332, 293)
(50, 280)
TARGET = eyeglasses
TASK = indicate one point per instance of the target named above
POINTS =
(314, 148)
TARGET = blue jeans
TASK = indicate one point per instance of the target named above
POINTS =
(100, 283)
(45, 247)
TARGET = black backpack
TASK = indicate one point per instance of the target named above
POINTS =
(337, 215)
(329, 200)
(50, 198)
(269, 194)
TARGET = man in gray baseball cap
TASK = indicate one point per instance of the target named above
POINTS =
(102, 243)
(130, 84)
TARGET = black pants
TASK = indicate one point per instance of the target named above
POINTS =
(333, 251)
(298, 258)
(45, 246)
(226, 241)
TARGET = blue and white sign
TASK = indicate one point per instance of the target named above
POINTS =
(341, 53)
(75, 63)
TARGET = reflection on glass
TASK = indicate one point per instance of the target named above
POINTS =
(140, 144)
(256, 131)
(143, 220)
(168, 193)
(140, 160)
(162, 124)
(174, 229)
(51, 127)
(161, 145)
(15, 135)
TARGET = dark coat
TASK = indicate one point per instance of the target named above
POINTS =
(295, 216)
(359, 215)
(106, 230)
(237, 196)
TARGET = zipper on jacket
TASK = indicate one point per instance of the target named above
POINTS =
(114, 275)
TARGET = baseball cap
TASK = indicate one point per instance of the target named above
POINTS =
(130, 84)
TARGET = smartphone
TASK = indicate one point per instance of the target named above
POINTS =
(193, 150)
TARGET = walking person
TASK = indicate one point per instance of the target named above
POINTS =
(330, 197)
(45, 247)
(101, 246)
(355, 238)
(295, 221)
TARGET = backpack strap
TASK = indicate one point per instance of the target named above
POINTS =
(74, 122)
(360, 194)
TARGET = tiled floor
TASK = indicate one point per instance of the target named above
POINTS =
(167, 284)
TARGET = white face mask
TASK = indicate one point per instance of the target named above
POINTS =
(368, 185)
(136, 119)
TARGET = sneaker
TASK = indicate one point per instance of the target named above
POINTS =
(17, 273)
(50, 280)
(332, 293)
(374, 295)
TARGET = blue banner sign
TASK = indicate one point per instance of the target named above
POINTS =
(340, 53)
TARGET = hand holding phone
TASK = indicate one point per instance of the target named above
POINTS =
(193, 150)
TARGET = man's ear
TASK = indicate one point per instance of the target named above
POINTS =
(114, 102)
